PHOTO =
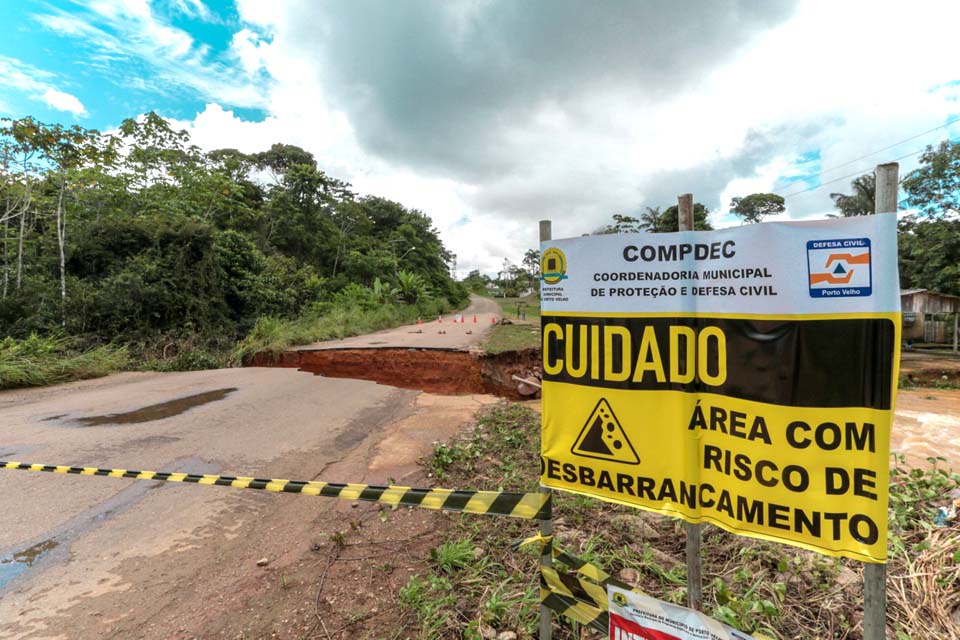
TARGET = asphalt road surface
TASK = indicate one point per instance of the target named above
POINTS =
(433, 332)
(84, 557)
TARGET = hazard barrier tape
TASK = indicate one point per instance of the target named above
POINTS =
(532, 506)
(580, 596)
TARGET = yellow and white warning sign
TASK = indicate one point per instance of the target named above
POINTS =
(743, 377)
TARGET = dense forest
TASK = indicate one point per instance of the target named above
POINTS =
(140, 238)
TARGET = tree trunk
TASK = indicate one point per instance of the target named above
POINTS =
(23, 221)
(6, 257)
(61, 240)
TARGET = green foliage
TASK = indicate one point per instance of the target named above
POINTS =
(411, 286)
(862, 202)
(433, 601)
(166, 239)
(934, 187)
(653, 220)
(191, 360)
(914, 493)
(37, 361)
(476, 282)
(930, 254)
(450, 557)
(757, 206)
(355, 311)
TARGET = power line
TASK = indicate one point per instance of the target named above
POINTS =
(859, 173)
(872, 153)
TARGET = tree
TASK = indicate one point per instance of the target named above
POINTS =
(860, 202)
(670, 219)
(930, 254)
(934, 188)
(476, 281)
(757, 206)
(531, 262)
(650, 219)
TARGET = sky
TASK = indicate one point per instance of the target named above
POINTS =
(490, 115)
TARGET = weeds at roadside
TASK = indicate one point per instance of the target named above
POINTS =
(273, 336)
(755, 585)
(38, 361)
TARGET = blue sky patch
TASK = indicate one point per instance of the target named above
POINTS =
(57, 53)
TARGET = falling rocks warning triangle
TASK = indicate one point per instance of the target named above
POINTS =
(603, 438)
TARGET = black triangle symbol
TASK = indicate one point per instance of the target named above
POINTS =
(602, 437)
(839, 269)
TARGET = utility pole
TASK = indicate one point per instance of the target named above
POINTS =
(875, 574)
(694, 531)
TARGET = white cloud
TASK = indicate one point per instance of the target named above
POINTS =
(123, 31)
(193, 9)
(62, 101)
(579, 137)
(36, 84)
(249, 50)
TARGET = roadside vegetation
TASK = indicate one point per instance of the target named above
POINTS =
(521, 332)
(37, 361)
(138, 238)
(475, 587)
(330, 321)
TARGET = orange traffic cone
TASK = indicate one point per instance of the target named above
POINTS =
(419, 321)
(493, 320)
(474, 319)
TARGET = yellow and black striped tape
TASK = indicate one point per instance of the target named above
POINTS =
(531, 506)
(580, 596)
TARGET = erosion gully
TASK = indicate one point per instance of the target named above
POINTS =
(442, 371)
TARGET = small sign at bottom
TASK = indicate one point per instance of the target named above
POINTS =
(638, 617)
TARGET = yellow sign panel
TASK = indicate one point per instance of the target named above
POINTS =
(764, 408)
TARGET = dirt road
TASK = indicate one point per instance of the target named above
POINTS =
(434, 333)
(91, 557)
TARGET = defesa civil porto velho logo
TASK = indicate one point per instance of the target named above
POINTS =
(839, 268)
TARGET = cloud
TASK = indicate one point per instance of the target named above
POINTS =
(489, 115)
(37, 84)
(447, 86)
(193, 9)
(62, 101)
(124, 36)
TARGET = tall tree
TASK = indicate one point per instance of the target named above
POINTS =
(531, 263)
(670, 219)
(934, 187)
(650, 219)
(860, 202)
(757, 206)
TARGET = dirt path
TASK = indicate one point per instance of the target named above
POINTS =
(927, 424)
(433, 333)
(89, 557)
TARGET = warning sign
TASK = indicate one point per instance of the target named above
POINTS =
(603, 438)
(634, 616)
(706, 377)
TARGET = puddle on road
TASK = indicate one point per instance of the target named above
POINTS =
(158, 411)
(12, 566)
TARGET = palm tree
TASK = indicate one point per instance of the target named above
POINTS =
(861, 202)
(412, 286)
(650, 220)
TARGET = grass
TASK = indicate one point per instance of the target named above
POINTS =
(39, 361)
(273, 336)
(475, 585)
(521, 334)
(512, 337)
(509, 307)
